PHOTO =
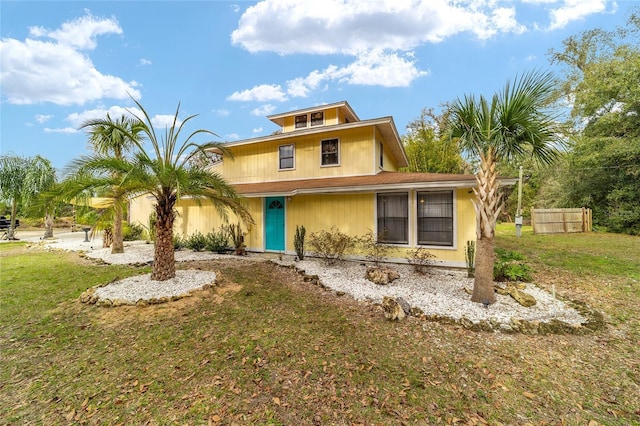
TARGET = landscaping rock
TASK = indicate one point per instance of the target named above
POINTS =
(392, 309)
(517, 294)
(381, 276)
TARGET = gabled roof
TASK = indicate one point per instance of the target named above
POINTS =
(343, 105)
(383, 181)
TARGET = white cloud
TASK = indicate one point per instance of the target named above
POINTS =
(58, 71)
(162, 121)
(573, 10)
(144, 62)
(115, 112)
(62, 130)
(263, 110)
(79, 33)
(233, 136)
(257, 130)
(378, 68)
(261, 93)
(351, 26)
(43, 118)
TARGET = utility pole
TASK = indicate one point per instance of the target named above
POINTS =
(519, 211)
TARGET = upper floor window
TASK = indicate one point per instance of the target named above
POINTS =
(317, 118)
(381, 149)
(393, 218)
(330, 152)
(286, 157)
(435, 218)
(301, 121)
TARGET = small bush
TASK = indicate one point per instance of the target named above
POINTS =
(234, 232)
(178, 242)
(330, 245)
(298, 241)
(420, 258)
(217, 241)
(197, 241)
(153, 218)
(511, 266)
(132, 231)
(374, 250)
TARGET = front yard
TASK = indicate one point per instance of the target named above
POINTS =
(264, 347)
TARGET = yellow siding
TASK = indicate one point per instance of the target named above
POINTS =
(139, 210)
(352, 214)
(259, 162)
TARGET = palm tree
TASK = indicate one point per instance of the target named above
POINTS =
(109, 140)
(513, 124)
(22, 181)
(167, 174)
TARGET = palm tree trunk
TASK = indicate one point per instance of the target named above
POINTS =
(11, 232)
(487, 205)
(117, 245)
(164, 261)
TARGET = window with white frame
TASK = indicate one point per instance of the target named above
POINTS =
(286, 157)
(301, 121)
(393, 218)
(435, 218)
(330, 152)
(317, 118)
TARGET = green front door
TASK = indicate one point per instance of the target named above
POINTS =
(274, 224)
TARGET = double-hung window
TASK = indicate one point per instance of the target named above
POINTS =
(393, 218)
(286, 157)
(317, 118)
(330, 152)
(435, 218)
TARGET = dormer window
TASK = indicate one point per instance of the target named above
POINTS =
(317, 118)
(301, 121)
(330, 151)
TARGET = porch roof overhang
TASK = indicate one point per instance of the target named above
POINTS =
(383, 181)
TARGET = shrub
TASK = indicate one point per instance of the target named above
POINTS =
(197, 241)
(330, 245)
(511, 266)
(237, 237)
(374, 251)
(178, 242)
(132, 231)
(298, 241)
(153, 218)
(217, 241)
(420, 258)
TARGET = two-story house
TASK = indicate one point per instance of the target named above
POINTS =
(326, 167)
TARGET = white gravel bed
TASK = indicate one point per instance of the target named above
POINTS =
(440, 292)
(142, 287)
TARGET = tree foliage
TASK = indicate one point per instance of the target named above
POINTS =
(165, 172)
(22, 181)
(428, 151)
(602, 170)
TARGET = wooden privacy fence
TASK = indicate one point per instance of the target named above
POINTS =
(561, 221)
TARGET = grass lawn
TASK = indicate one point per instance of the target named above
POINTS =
(265, 348)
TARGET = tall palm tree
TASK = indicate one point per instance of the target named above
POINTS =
(109, 140)
(512, 124)
(22, 181)
(167, 173)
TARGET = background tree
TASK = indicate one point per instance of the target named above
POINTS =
(513, 124)
(109, 140)
(603, 80)
(427, 150)
(167, 173)
(22, 181)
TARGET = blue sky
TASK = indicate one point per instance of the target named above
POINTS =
(235, 62)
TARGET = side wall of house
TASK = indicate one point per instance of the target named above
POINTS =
(259, 162)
